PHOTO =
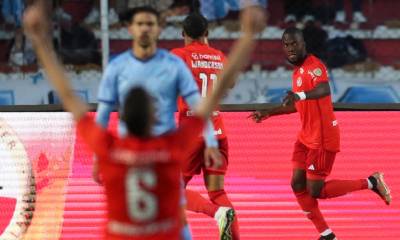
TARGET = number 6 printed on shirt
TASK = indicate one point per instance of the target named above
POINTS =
(142, 205)
(204, 86)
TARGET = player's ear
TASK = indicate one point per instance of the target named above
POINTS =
(206, 33)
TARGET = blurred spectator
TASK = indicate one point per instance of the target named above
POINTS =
(119, 6)
(21, 51)
(59, 14)
(316, 40)
(79, 45)
(358, 16)
(12, 12)
(93, 18)
(298, 10)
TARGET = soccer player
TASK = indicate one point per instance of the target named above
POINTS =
(318, 140)
(142, 65)
(205, 62)
(141, 172)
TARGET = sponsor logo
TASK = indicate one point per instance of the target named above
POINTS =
(194, 56)
(299, 82)
(311, 167)
(334, 123)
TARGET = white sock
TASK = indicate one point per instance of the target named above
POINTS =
(326, 232)
(369, 184)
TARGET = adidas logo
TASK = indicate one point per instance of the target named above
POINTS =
(311, 167)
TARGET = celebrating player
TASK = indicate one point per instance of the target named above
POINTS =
(318, 141)
(143, 65)
(205, 62)
(141, 173)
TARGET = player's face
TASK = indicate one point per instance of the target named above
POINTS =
(294, 47)
(145, 29)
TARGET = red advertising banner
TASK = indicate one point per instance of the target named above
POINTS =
(46, 168)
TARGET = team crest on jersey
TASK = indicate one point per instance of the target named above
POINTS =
(299, 82)
(301, 70)
(317, 72)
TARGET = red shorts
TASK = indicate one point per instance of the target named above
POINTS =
(194, 163)
(318, 163)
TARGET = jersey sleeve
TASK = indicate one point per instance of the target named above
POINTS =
(108, 89)
(186, 84)
(178, 52)
(97, 138)
(320, 73)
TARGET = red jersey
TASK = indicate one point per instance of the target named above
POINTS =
(319, 125)
(141, 179)
(205, 62)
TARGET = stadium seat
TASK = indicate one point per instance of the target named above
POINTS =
(372, 94)
(54, 99)
(7, 97)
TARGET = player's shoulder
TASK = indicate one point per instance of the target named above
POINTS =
(179, 51)
(120, 59)
(314, 61)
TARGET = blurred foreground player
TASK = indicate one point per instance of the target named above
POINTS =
(141, 173)
(205, 63)
(163, 75)
(318, 140)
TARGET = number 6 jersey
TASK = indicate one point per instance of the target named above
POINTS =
(141, 177)
(205, 63)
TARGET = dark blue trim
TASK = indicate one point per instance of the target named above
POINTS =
(144, 60)
(106, 102)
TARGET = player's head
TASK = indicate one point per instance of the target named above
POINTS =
(195, 26)
(294, 45)
(143, 25)
(138, 112)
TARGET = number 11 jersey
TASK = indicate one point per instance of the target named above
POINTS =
(205, 63)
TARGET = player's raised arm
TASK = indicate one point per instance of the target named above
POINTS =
(253, 20)
(36, 27)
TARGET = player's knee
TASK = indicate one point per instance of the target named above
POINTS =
(314, 192)
(298, 186)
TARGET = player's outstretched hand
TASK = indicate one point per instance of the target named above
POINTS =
(212, 157)
(35, 22)
(259, 116)
(290, 99)
(253, 20)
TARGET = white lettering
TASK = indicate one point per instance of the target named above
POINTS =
(129, 157)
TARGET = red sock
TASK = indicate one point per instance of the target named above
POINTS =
(196, 203)
(310, 206)
(220, 198)
(336, 188)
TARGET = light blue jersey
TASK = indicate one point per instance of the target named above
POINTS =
(164, 76)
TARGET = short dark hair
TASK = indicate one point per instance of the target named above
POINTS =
(293, 31)
(195, 25)
(129, 14)
(136, 111)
